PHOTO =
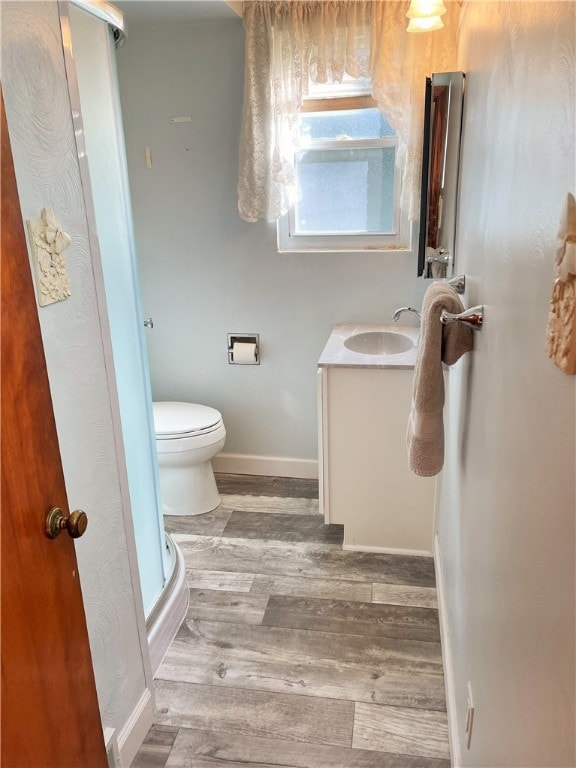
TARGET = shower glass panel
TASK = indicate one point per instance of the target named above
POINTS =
(95, 64)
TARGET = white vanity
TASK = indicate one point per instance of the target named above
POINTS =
(364, 400)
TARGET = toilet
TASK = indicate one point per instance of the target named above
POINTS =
(188, 436)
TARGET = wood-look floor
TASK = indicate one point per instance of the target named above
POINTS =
(294, 652)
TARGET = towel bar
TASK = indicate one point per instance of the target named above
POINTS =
(473, 317)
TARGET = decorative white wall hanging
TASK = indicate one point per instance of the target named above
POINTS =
(48, 241)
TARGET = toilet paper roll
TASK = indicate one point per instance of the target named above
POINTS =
(243, 352)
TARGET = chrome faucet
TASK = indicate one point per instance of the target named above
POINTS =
(396, 315)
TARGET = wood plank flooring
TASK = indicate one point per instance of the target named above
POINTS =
(281, 558)
(295, 653)
(339, 616)
(259, 485)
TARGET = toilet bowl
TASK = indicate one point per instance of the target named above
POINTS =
(188, 436)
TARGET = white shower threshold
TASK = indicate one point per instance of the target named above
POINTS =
(170, 609)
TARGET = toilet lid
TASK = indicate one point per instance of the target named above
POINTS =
(173, 420)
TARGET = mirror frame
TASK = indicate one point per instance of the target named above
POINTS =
(444, 102)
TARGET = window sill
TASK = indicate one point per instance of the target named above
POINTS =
(400, 241)
(347, 249)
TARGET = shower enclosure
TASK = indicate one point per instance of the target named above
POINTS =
(90, 31)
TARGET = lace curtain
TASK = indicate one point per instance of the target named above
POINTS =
(292, 42)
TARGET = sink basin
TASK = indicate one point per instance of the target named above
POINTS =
(379, 343)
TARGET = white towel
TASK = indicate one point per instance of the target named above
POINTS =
(438, 344)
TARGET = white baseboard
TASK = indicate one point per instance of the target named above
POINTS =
(445, 639)
(170, 610)
(386, 550)
(134, 732)
(111, 747)
(271, 466)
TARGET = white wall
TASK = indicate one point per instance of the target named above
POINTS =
(47, 172)
(507, 535)
(206, 273)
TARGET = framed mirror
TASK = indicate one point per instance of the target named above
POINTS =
(440, 171)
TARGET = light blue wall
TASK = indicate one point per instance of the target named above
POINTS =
(206, 273)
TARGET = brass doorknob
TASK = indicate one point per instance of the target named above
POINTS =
(56, 522)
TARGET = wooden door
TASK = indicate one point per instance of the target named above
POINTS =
(50, 712)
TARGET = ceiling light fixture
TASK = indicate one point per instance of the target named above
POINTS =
(425, 15)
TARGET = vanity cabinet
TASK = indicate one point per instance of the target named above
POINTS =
(365, 481)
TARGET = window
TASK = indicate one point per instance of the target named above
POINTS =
(348, 182)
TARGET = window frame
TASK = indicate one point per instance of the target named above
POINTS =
(288, 241)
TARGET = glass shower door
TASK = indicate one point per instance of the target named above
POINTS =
(93, 54)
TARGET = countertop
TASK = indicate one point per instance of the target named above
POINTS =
(336, 354)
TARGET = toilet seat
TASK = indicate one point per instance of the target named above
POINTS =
(178, 421)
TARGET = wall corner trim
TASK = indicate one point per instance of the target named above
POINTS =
(445, 639)
(236, 6)
(134, 731)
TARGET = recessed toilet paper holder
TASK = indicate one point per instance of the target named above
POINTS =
(244, 338)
